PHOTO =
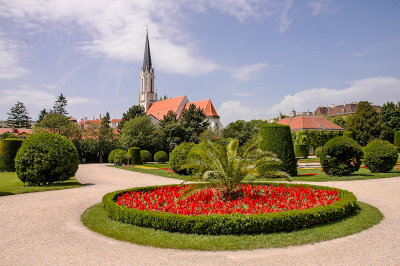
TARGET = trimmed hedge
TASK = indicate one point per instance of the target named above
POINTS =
(8, 151)
(300, 150)
(236, 224)
(45, 158)
(178, 157)
(134, 155)
(397, 140)
(145, 156)
(318, 151)
(120, 157)
(348, 134)
(341, 156)
(380, 156)
(161, 157)
(112, 154)
(278, 139)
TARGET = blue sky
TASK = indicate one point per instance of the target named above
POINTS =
(252, 58)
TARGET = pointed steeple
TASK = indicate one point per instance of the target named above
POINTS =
(147, 56)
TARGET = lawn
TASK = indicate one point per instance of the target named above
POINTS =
(10, 184)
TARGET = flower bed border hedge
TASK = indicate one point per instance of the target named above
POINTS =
(236, 224)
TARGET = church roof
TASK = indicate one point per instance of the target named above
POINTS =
(207, 107)
(309, 123)
(161, 108)
(147, 56)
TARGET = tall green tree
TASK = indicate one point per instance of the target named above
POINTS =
(105, 137)
(132, 112)
(60, 124)
(365, 124)
(195, 119)
(168, 118)
(390, 114)
(42, 114)
(18, 116)
(60, 105)
(241, 130)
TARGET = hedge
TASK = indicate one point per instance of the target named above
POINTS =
(348, 134)
(145, 156)
(380, 156)
(120, 157)
(397, 140)
(278, 139)
(300, 150)
(161, 157)
(236, 224)
(134, 155)
(8, 151)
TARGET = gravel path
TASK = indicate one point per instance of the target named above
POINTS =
(44, 228)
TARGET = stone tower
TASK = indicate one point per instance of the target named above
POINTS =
(147, 94)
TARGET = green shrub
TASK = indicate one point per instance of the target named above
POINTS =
(380, 156)
(300, 150)
(348, 134)
(178, 157)
(238, 224)
(120, 157)
(112, 154)
(278, 139)
(145, 156)
(134, 155)
(45, 158)
(8, 150)
(397, 139)
(341, 156)
(161, 157)
(318, 151)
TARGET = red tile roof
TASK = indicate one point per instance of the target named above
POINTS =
(309, 123)
(206, 105)
(18, 131)
(116, 120)
(161, 108)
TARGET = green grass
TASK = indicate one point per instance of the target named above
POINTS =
(158, 172)
(10, 184)
(97, 220)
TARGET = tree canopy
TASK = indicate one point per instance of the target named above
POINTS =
(60, 105)
(134, 111)
(241, 130)
(60, 124)
(18, 116)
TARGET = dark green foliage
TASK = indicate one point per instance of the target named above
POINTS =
(112, 154)
(380, 156)
(18, 116)
(195, 119)
(237, 224)
(301, 150)
(41, 115)
(390, 114)
(120, 157)
(132, 112)
(170, 117)
(318, 151)
(8, 135)
(340, 121)
(145, 156)
(105, 137)
(242, 130)
(45, 158)
(277, 139)
(178, 157)
(348, 134)
(59, 124)
(8, 150)
(161, 157)
(397, 139)
(134, 155)
(60, 105)
(341, 156)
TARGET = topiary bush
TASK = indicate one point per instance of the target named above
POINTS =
(145, 156)
(341, 156)
(348, 134)
(45, 158)
(134, 155)
(397, 140)
(8, 151)
(300, 150)
(318, 151)
(161, 157)
(277, 138)
(112, 154)
(380, 156)
(178, 157)
(120, 157)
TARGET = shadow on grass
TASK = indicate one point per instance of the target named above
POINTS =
(2, 193)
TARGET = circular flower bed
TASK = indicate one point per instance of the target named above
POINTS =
(260, 208)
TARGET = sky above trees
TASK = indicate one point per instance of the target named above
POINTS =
(252, 58)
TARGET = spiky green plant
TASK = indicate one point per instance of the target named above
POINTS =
(226, 166)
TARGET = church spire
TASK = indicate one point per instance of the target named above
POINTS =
(147, 56)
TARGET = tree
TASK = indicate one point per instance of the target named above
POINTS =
(390, 114)
(241, 130)
(340, 121)
(168, 118)
(132, 112)
(60, 124)
(105, 137)
(195, 118)
(59, 105)
(175, 133)
(163, 98)
(42, 114)
(18, 116)
(365, 124)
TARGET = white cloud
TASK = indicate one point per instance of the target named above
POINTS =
(248, 71)
(377, 90)
(318, 6)
(9, 60)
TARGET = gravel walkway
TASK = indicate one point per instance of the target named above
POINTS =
(44, 228)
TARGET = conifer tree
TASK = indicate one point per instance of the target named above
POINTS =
(42, 114)
(132, 112)
(60, 105)
(18, 116)
(105, 136)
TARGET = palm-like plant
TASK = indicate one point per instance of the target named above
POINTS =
(226, 166)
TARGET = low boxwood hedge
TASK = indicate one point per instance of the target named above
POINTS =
(237, 224)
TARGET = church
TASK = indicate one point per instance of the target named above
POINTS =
(147, 97)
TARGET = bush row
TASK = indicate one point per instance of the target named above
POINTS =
(232, 224)
(8, 150)
(135, 156)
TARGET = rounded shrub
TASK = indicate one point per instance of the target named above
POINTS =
(112, 154)
(318, 151)
(277, 138)
(120, 157)
(8, 151)
(45, 158)
(348, 134)
(145, 156)
(380, 156)
(134, 155)
(341, 156)
(178, 157)
(300, 150)
(161, 157)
